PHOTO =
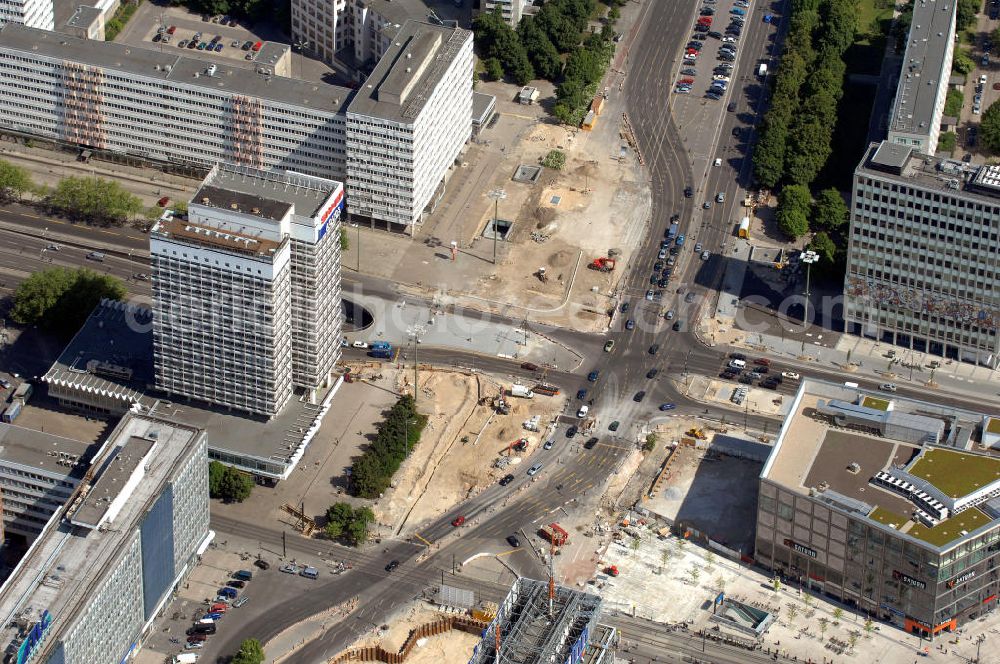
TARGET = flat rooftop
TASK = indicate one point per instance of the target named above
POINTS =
(117, 468)
(84, 17)
(213, 238)
(37, 449)
(170, 66)
(275, 440)
(66, 564)
(270, 192)
(923, 73)
(836, 464)
(399, 11)
(111, 353)
(949, 177)
(408, 72)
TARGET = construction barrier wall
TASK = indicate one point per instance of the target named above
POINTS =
(379, 654)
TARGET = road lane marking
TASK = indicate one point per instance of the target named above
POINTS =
(417, 535)
(507, 553)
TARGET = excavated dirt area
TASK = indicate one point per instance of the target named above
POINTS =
(463, 439)
(451, 646)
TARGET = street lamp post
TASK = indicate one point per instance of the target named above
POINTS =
(807, 257)
(357, 244)
(414, 333)
(497, 195)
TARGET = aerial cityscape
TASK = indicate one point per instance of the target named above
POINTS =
(499, 331)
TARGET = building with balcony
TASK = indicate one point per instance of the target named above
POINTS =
(408, 123)
(32, 13)
(246, 290)
(888, 504)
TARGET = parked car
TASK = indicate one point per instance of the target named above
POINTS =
(505, 480)
(791, 375)
(288, 568)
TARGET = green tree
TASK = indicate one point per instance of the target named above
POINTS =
(14, 181)
(555, 160)
(966, 14)
(216, 471)
(989, 127)
(494, 70)
(357, 529)
(250, 652)
(824, 623)
(650, 443)
(769, 155)
(235, 486)
(962, 62)
(636, 544)
(541, 52)
(399, 432)
(953, 102)
(693, 574)
(825, 247)
(59, 300)
(793, 611)
(838, 613)
(829, 212)
(947, 141)
(338, 518)
(869, 627)
(94, 199)
(793, 209)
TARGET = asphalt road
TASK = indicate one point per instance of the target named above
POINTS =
(569, 471)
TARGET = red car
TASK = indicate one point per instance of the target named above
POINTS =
(459, 520)
(163, 201)
(705, 20)
(172, 29)
(686, 81)
(692, 51)
(763, 361)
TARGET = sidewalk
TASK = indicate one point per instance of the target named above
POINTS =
(858, 356)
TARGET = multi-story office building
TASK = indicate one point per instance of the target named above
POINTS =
(33, 13)
(90, 586)
(511, 10)
(407, 125)
(888, 504)
(38, 474)
(167, 107)
(921, 271)
(412, 115)
(364, 29)
(246, 291)
(923, 83)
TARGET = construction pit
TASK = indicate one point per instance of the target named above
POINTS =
(467, 445)
(403, 636)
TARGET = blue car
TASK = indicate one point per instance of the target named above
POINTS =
(212, 616)
(738, 11)
(667, 406)
(680, 240)
(227, 592)
(592, 376)
(581, 394)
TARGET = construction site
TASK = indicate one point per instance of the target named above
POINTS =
(543, 622)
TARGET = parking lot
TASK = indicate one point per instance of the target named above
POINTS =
(148, 19)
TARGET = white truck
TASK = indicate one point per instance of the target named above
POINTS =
(522, 391)
(762, 70)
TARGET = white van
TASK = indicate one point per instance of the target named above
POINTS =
(583, 411)
(738, 364)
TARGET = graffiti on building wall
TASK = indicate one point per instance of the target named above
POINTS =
(891, 296)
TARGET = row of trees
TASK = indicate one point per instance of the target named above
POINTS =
(349, 523)
(795, 139)
(80, 198)
(395, 437)
(227, 483)
(59, 300)
(826, 216)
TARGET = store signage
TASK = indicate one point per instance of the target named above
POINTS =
(330, 213)
(798, 548)
(961, 579)
(908, 580)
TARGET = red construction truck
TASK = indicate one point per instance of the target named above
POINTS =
(555, 534)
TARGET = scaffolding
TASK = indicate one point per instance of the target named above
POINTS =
(525, 630)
